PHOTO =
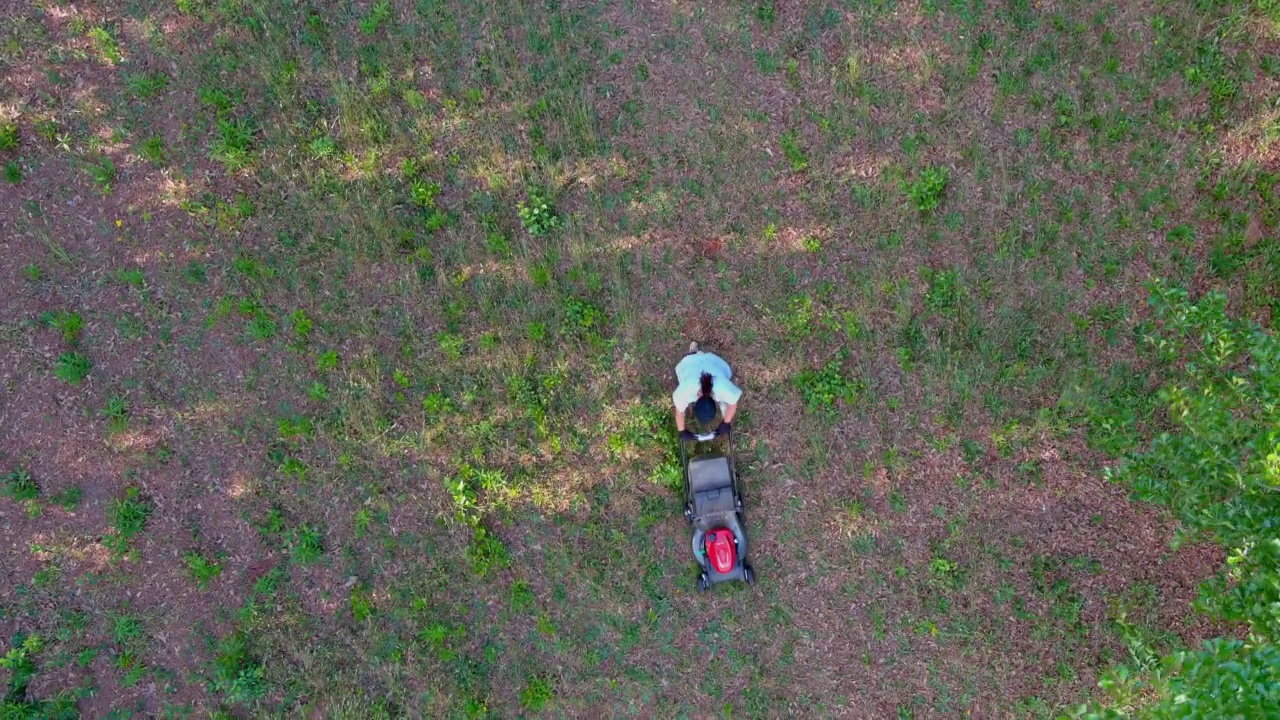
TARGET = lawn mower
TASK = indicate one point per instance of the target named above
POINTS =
(713, 507)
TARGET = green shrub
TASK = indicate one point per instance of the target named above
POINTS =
(202, 570)
(1217, 468)
(944, 291)
(8, 135)
(537, 692)
(378, 16)
(487, 552)
(103, 172)
(20, 486)
(237, 675)
(233, 142)
(796, 156)
(20, 663)
(128, 516)
(68, 498)
(538, 215)
(361, 603)
(822, 388)
(72, 367)
(927, 190)
(307, 544)
(117, 414)
(68, 323)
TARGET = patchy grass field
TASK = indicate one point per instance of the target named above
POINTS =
(336, 339)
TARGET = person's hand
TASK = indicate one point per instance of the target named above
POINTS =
(687, 436)
(724, 428)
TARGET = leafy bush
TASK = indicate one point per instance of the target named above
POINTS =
(487, 552)
(536, 694)
(327, 361)
(378, 16)
(926, 191)
(820, 389)
(19, 485)
(237, 675)
(423, 193)
(68, 497)
(944, 291)
(233, 143)
(144, 86)
(128, 516)
(538, 216)
(308, 544)
(790, 142)
(361, 603)
(20, 663)
(8, 135)
(1218, 470)
(103, 172)
(201, 569)
(68, 323)
(72, 367)
(302, 325)
(584, 316)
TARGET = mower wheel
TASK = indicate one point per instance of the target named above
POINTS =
(749, 575)
(703, 583)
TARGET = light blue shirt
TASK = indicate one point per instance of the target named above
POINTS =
(689, 372)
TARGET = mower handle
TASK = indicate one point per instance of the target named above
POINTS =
(704, 437)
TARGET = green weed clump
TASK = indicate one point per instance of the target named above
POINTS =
(821, 389)
(103, 173)
(944, 293)
(927, 190)
(1224, 395)
(8, 135)
(538, 215)
(20, 664)
(72, 367)
(201, 569)
(233, 142)
(237, 676)
(144, 86)
(796, 155)
(379, 15)
(486, 551)
(537, 693)
(128, 516)
(20, 486)
(307, 544)
(67, 498)
(117, 414)
(70, 324)
(423, 194)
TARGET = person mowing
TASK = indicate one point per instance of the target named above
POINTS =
(705, 382)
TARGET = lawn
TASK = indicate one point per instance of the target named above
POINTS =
(337, 339)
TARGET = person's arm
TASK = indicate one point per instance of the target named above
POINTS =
(680, 419)
(730, 411)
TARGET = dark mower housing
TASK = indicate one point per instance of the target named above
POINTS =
(713, 507)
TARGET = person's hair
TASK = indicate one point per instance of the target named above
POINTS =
(705, 410)
(706, 381)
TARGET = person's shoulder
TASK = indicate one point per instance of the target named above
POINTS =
(714, 359)
(686, 391)
(728, 388)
